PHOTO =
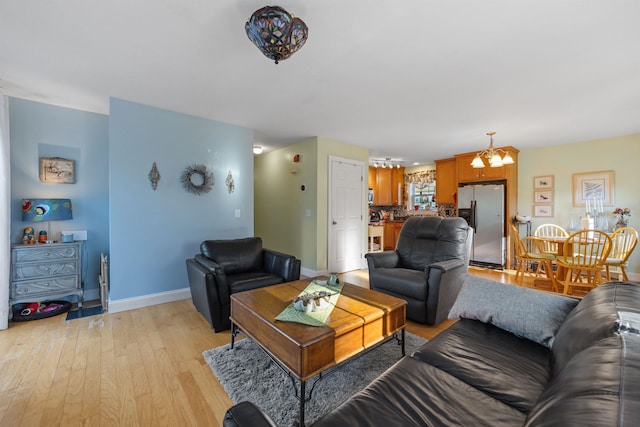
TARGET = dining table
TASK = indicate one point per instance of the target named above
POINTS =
(559, 241)
(560, 270)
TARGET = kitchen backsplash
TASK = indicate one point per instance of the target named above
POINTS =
(447, 210)
(400, 212)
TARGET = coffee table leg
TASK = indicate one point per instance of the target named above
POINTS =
(233, 334)
(303, 394)
(403, 340)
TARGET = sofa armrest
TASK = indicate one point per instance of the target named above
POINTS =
(203, 290)
(444, 281)
(280, 264)
(219, 278)
(295, 269)
(386, 259)
(246, 414)
(445, 266)
(207, 263)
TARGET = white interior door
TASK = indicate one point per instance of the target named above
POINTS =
(346, 204)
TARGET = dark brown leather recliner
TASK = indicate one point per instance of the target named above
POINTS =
(225, 267)
(427, 268)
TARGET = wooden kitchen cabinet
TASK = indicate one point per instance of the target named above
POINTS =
(391, 233)
(382, 192)
(372, 177)
(446, 181)
(388, 186)
(397, 186)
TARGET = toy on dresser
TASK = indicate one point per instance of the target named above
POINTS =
(29, 237)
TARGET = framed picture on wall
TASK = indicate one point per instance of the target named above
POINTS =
(543, 211)
(540, 182)
(593, 186)
(57, 170)
(543, 196)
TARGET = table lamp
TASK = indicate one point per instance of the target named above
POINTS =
(38, 210)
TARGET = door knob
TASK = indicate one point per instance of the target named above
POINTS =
(334, 223)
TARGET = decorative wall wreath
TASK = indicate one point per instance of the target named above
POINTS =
(197, 179)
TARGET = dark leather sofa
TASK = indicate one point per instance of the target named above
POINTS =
(427, 268)
(586, 373)
(225, 267)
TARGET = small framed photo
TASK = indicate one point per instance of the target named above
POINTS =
(541, 182)
(543, 196)
(543, 211)
(57, 170)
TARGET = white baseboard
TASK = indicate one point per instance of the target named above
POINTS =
(307, 272)
(125, 304)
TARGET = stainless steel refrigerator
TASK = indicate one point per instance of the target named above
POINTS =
(483, 208)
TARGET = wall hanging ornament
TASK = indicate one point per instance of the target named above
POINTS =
(229, 181)
(197, 179)
(154, 176)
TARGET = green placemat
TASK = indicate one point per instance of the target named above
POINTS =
(314, 318)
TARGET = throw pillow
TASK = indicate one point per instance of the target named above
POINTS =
(528, 313)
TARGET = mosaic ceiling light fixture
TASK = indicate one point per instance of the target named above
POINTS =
(276, 32)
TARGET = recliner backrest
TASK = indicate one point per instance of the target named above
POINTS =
(428, 239)
(235, 256)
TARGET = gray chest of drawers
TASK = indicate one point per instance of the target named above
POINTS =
(46, 272)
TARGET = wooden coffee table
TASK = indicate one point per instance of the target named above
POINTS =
(361, 320)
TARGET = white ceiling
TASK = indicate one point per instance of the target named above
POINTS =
(414, 80)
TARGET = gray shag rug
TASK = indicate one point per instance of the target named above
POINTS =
(247, 373)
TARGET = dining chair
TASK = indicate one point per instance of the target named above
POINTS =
(549, 230)
(582, 262)
(525, 259)
(624, 241)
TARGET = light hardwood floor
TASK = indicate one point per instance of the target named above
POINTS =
(141, 367)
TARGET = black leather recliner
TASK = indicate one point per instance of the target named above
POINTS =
(427, 268)
(225, 267)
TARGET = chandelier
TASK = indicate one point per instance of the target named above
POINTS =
(276, 33)
(496, 156)
(386, 162)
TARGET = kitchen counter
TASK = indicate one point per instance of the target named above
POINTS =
(386, 221)
(376, 237)
(422, 213)
(386, 232)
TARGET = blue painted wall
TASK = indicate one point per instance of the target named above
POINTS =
(42, 130)
(147, 234)
(153, 232)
